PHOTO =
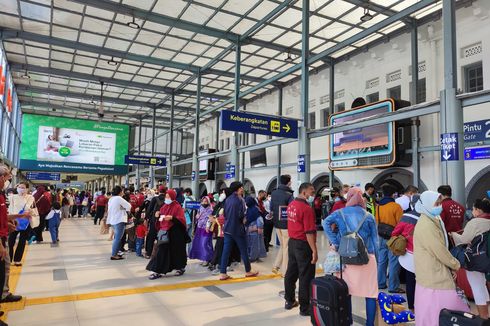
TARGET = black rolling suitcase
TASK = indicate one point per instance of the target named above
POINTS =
(459, 318)
(329, 302)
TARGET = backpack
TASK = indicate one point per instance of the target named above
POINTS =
(476, 253)
(352, 248)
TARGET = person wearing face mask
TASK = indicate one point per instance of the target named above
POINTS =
(361, 279)
(435, 267)
(171, 255)
(202, 245)
(302, 251)
(255, 231)
(189, 213)
(479, 224)
(20, 203)
(405, 200)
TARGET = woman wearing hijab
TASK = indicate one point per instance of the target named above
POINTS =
(255, 230)
(171, 255)
(435, 267)
(42, 198)
(202, 245)
(361, 279)
(20, 203)
(479, 224)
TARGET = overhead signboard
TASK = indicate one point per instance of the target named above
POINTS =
(481, 153)
(43, 176)
(145, 160)
(372, 146)
(259, 124)
(71, 145)
(477, 132)
(449, 147)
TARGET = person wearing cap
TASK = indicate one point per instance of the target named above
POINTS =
(234, 230)
(406, 228)
(154, 206)
(170, 255)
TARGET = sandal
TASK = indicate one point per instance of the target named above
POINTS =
(154, 276)
(225, 277)
(251, 274)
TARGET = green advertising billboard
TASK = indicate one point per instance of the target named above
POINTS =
(72, 145)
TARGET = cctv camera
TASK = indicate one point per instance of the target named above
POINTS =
(101, 115)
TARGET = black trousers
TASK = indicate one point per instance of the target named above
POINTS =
(268, 228)
(299, 267)
(99, 214)
(150, 237)
(74, 210)
(410, 283)
(38, 230)
(21, 245)
(2, 265)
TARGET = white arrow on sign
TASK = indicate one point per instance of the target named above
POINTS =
(287, 128)
(446, 156)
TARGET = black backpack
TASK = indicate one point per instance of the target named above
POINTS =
(477, 256)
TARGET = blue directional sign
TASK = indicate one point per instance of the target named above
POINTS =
(230, 171)
(477, 131)
(145, 160)
(192, 205)
(193, 175)
(301, 164)
(259, 124)
(449, 147)
(43, 176)
(481, 153)
(168, 178)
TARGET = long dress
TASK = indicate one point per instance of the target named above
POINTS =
(202, 245)
(172, 255)
(255, 242)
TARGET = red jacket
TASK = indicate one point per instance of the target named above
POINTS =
(338, 205)
(452, 215)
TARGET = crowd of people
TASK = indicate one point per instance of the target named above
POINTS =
(169, 226)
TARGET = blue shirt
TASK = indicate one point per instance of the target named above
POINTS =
(353, 215)
(234, 216)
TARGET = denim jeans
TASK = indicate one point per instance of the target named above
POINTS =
(139, 246)
(53, 224)
(118, 234)
(242, 246)
(386, 259)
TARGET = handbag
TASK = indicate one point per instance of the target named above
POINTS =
(477, 259)
(384, 230)
(459, 252)
(397, 245)
(162, 237)
(352, 248)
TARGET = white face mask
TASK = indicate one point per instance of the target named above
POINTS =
(222, 197)
(21, 191)
(168, 201)
(311, 199)
(6, 184)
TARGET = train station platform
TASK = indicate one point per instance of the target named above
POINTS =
(75, 284)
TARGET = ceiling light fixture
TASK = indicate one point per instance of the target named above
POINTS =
(133, 24)
(112, 62)
(367, 16)
(25, 75)
(289, 58)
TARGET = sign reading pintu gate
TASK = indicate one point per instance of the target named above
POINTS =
(145, 160)
(259, 124)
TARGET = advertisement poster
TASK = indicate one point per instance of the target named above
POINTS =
(66, 145)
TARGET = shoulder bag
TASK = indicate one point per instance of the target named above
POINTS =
(34, 213)
(352, 248)
(162, 237)
(384, 230)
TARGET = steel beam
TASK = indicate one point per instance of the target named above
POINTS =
(153, 145)
(413, 99)
(195, 150)
(235, 158)
(170, 168)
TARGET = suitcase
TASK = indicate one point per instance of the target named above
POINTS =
(330, 302)
(459, 318)
(463, 284)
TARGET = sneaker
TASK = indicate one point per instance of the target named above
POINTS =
(11, 298)
(229, 269)
(31, 239)
(154, 276)
(291, 305)
(215, 272)
(304, 313)
(275, 270)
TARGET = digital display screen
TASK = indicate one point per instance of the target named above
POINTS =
(258, 157)
(362, 142)
(203, 165)
(67, 145)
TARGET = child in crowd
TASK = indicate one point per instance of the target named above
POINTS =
(255, 231)
(53, 219)
(141, 232)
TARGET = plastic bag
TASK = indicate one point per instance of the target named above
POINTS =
(332, 263)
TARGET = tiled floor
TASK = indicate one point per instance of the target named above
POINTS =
(83, 254)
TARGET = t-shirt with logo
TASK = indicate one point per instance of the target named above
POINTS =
(452, 215)
(301, 219)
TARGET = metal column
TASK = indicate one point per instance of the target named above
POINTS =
(195, 153)
(279, 147)
(303, 140)
(242, 155)
(138, 175)
(451, 110)
(235, 158)
(170, 161)
(153, 134)
(216, 145)
(331, 174)
(413, 99)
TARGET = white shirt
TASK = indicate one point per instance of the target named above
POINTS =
(18, 203)
(51, 214)
(404, 202)
(117, 210)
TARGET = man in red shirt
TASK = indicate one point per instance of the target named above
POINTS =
(452, 212)
(302, 252)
